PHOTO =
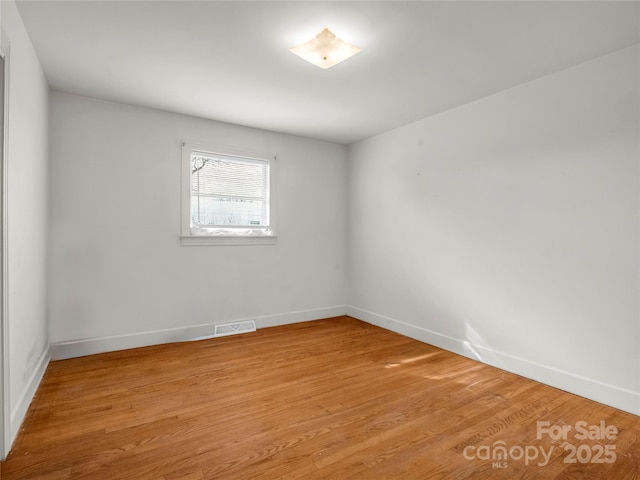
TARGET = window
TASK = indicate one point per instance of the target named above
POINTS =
(227, 197)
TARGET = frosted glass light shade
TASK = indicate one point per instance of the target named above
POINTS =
(325, 50)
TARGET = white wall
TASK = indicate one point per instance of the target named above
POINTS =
(27, 154)
(117, 265)
(507, 229)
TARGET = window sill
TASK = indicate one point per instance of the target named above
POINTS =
(196, 240)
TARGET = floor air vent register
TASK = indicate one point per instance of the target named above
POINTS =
(224, 329)
(232, 328)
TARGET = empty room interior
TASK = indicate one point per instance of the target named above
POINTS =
(320, 240)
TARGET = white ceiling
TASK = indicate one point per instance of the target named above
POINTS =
(229, 61)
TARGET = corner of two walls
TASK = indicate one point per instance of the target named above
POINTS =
(507, 230)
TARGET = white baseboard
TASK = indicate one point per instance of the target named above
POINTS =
(90, 346)
(19, 411)
(611, 395)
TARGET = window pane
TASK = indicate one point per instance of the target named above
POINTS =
(228, 191)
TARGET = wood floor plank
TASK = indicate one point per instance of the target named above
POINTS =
(329, 399)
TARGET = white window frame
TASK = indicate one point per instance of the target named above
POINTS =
(225, 236)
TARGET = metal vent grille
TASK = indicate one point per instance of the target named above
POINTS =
(224, 329)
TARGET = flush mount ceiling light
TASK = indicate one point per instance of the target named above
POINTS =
(325, 50)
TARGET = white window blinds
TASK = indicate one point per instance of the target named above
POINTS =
(229, 192)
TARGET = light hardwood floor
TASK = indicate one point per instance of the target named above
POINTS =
(329, 399)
